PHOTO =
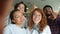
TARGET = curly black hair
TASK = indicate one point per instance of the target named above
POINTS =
(47, 6)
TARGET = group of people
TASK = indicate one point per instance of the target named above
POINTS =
(40, 21)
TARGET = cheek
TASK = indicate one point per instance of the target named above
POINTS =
(33, 18)
(39, 18)
(22, 19)
(17, 20)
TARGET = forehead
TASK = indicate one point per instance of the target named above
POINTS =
(48, 8)
(21, 4)
(17, 13)
(37, 12)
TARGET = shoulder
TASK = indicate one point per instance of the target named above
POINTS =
(47, 30)
(9, 26)
(47, 27)
(29, 31)
(7, 29)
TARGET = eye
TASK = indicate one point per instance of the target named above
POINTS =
(35, 15)
(16, 16)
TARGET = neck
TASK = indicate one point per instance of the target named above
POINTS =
(19, 25)
(36, 24)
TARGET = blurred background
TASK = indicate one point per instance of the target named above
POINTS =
(41, 3)
(6, 6)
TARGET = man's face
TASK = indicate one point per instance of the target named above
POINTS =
(48, 11)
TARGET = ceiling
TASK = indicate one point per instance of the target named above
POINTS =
(41, 3)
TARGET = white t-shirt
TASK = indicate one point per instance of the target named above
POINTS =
(46, 30)
(13, 29)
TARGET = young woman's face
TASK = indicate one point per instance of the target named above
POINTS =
(18, 17)
(37, 17)
(21, 7)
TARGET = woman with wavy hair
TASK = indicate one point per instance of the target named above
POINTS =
(38, 23)
(17, 20)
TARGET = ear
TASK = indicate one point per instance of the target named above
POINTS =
(13, 21)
